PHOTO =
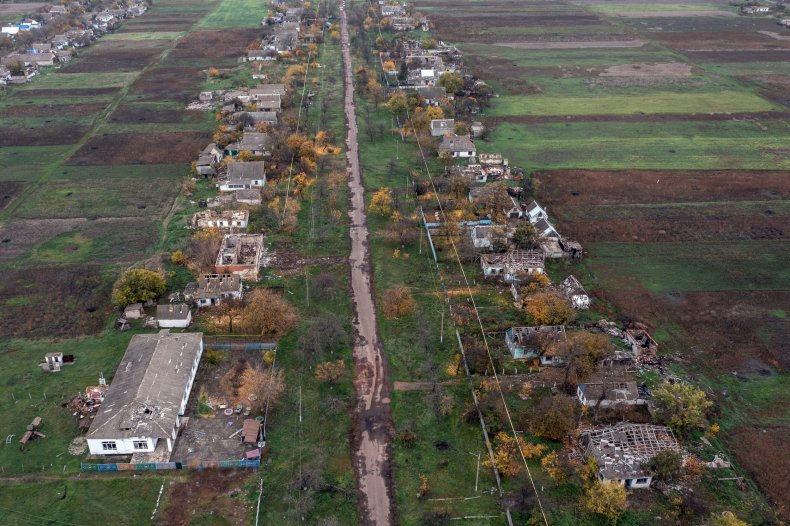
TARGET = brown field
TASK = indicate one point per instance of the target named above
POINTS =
(67, 92)
(8, 9)
(131, 148)
(682, 13)
(104, 60)
(578, 44)
(166, 83)
(20, 236)
(217, 493)
(763, 452)
(60, 301)
(131, 113)
(756, 55)
(33, 110)
(8, 190)
(215, 44)
(49, 135)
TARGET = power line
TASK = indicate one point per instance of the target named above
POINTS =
(471, 298)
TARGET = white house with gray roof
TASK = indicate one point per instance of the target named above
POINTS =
(144, 404)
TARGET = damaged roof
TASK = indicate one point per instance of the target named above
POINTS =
(146, 393)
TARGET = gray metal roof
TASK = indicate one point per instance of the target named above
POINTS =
(145, 395)
(175, 311)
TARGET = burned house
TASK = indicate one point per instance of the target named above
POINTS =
(621, 451)
(240, 254)
(211, 289)
(230, 219)
(526, 343)
(512, 265)
(145, 402)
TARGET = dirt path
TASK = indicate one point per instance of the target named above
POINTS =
(372, 417)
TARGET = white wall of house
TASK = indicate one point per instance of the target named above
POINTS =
(175, 324)
(120, 446)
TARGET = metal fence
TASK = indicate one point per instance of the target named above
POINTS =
(238, 343)
(160, 466)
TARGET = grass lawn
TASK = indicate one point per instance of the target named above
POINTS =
(659, 102)
(687, 267)
(139, 36)
(615, 145)
(109, 500)
(235, 14)
(60, 80)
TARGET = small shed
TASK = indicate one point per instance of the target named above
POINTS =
(134, 311)
(251, 430)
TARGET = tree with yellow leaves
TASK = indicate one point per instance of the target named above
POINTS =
(381, 202)
(725, 518)
(330, 372)
(507, 457)
(435, 112)
(389, 65)
(301, 182)
(551, 465)
(548, 308)
(398, 302)
(607, 499)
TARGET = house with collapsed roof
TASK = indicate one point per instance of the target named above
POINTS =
(230, 219)
(483, 236)
(622, 450)
(243, 176)
(572, 289)
(513, 264)
(432, 95)
(441, 126)
(240, 254)
(641, 342)
(143, 407)
(212, 289)
(609, 392)
(526, 343)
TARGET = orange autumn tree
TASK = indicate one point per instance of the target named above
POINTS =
(507, 457)
(398, 302)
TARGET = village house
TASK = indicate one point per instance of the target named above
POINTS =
(230, 219)
(248, 197)
(512, 265)
(252, 119)
(211, 289)
(392, 10)
(552, 248)
(243, 176)
(267, 103)
(208, 160)
(572, 289)
(432, 95)
(622, 450)
(483, 236)
(145, 402)
(401, 23)
(255, 143)
(516, 211)
(265, 90)
(525, 343)
(545, 229)
(457, 146)
(439, 127)
(173, 316)
(240, 254)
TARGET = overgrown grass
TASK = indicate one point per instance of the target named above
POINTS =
(234, 14)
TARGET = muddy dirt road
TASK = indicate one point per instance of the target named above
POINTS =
(372, 417)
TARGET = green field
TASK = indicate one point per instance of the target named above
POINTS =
(667, 102)
(234, 14)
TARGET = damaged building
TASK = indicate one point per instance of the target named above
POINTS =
(145, 402)
(622, 449)
(240, 254)
(231, 219)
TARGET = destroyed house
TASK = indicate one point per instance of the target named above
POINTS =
(512, 265)
(433, 95)
(608, 392)
(641, 342)
(211, 289)
(441, 126)
(572, 289)
(525, 343)
(621, 450)
(243, 176)
(144, 404)
(226, 219)
(240, 254)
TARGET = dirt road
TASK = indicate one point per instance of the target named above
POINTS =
(372, 417)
